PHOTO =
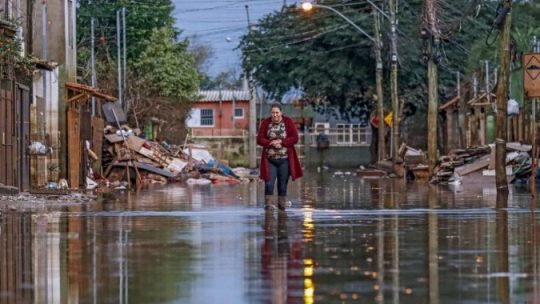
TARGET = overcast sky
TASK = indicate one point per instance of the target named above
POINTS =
(220, 24)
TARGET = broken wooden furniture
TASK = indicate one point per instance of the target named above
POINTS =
(84, 123)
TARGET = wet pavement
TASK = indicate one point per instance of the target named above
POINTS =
(343, 240)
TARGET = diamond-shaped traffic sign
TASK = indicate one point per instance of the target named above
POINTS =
(531, 80)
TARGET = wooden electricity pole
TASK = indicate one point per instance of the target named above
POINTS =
(394, 85)
(378, 83)
(502, 101)
(433, 95)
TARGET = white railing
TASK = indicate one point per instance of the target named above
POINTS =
(348, 135)
(211, 132)
(352, 135)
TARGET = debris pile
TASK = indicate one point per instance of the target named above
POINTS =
(461, 162)
(130, 160)
(414, 163)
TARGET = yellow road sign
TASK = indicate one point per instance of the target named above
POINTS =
(388, 119)
(531, 78)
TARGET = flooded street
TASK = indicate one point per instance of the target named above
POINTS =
(344, 239)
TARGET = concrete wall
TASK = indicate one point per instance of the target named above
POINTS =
(61, 33)
(61, 48)
(233, 151)
(45, 114)
(337, 157)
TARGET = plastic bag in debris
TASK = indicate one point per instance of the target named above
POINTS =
(198, 181)
(37, 148)
(200, 155)
(513, 107)
(223, 168)
(244, 172)
(124, 133)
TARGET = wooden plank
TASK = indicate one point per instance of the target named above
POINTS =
(3, 127)
(135, 143)
(449, 130)
(10, 140)
(518, 147)
(74, 147)
(477, 165)
(482, 129)
(113, 138)
(97, 141)
(77, 97)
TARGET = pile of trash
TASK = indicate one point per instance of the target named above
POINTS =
(461, 162)
(129, 160)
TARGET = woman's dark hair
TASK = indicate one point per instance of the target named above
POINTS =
(276, 105)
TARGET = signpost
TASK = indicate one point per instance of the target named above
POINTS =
(531, 79)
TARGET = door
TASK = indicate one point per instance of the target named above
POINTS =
(8, 144)
(23, 136)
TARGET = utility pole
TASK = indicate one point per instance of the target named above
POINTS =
(44, 53)
(118, 60)
(502, 101)
(394, 84)
(378, 84)
(93, 61)
(252, 132)
(433, 95)
(533, 134)
(124, 56)
(486, 82)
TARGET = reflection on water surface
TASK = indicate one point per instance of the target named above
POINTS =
(344, 240)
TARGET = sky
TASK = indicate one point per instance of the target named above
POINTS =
(220, 24)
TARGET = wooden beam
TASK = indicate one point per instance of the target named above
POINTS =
(74, 150)
(470, 168)
(81, 88)
(78, 97)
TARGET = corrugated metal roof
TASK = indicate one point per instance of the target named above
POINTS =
(223, 95)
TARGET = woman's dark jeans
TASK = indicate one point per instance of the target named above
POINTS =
(278, 168)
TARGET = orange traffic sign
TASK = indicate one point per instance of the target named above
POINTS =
(531, 78)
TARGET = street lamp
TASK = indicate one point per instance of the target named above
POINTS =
(307, 5)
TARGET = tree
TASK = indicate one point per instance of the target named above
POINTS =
(166, 66)
(202, 52)
(317, 53)
(161, 75)
(326, 58)
(142, 17)
(226, 80)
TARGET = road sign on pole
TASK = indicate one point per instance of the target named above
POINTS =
(531, 78)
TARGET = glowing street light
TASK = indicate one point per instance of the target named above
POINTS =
(307, 5)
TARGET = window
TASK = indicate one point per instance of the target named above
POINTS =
(207, 117)
(239, 113)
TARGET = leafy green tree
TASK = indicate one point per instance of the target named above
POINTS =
(315, 52)
(142, 17)
(321, 54)
(161, 73)
(226, 80)
(166, 66)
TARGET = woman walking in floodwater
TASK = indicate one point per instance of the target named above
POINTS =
(278, 135)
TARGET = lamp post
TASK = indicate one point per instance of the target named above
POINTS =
(308, 5)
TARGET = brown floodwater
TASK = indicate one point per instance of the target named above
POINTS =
(343, 240)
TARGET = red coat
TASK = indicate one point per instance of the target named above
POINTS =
(295, 169)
